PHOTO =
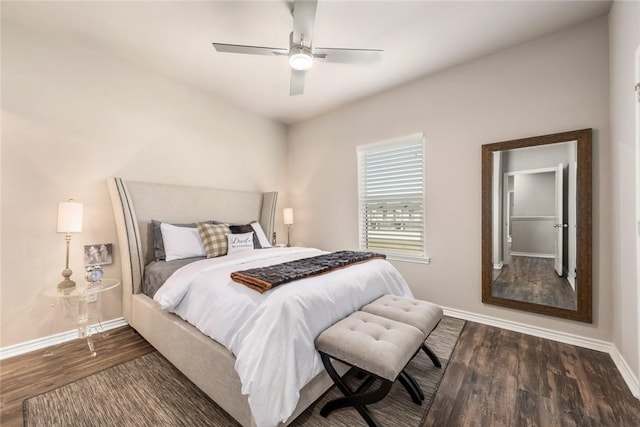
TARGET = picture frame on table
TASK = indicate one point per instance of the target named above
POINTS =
(98, 254)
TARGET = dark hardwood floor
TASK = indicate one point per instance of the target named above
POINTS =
(495, 378)
(502, 378)
(535, 280)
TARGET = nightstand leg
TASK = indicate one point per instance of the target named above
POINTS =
(90, 345)
(60, 308)
(84, 330)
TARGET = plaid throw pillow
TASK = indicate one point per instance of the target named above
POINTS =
(214, 238)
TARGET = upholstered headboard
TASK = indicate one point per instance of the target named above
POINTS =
(135, 204)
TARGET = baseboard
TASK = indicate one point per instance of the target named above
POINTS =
(626, 372)
(533, 254)
(563, 337)
(37, 344)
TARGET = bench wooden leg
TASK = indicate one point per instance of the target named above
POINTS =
(409, 383)
(357, 399)
(412, 387)
(432, 356)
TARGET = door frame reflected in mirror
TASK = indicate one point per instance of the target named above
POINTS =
(583, 137)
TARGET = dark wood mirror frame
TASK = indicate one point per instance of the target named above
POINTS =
(583, 312)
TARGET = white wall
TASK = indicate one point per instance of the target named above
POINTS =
(553, 84)
(71, 118)
(534, 194)
(624, 41)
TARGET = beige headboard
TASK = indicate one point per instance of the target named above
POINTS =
(135, 204)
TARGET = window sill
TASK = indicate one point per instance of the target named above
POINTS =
(426, 260)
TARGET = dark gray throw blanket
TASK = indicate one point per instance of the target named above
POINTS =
(264, 278)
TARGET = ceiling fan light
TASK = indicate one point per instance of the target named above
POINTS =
(300, 59)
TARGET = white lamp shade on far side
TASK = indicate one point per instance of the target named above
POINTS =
(69, 217)
(288, 216)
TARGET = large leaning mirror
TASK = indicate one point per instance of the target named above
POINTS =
(536, 224)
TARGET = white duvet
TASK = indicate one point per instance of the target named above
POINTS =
(272, 334)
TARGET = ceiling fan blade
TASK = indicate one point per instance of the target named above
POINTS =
(251, 50)
(304, 15)
(348, 56)
(297, 82)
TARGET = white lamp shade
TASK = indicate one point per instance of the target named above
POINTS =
(69, 217)
(288, 216)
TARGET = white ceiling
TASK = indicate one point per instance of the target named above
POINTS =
(418, 38)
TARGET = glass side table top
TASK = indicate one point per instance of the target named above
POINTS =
(82, 289)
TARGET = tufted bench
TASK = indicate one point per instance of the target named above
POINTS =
(419, 314)
(376, 345)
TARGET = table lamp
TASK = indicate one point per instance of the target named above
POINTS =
(69, 221)
(288, 221)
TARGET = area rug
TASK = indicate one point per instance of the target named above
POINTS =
(149, 391)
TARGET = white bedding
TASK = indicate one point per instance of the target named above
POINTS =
(272, 334)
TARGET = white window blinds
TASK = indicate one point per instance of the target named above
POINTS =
(391, 196)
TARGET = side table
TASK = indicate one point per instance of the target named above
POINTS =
(82, 294)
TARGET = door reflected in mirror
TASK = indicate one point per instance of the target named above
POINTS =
(537, 224)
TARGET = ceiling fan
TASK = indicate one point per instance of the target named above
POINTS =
(301, 51)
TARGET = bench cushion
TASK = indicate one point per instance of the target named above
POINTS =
(419, 314)
(377, 345)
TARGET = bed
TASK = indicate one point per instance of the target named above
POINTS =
(206, 362)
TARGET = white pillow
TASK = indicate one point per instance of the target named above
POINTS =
(181, 242)
(239, 242)
(262, 238)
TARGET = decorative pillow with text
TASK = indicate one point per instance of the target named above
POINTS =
(242, 229)
(239, 242)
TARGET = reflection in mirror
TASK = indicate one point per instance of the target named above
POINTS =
(535, 246)
(537, 224)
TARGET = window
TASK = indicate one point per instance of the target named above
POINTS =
(391, 197)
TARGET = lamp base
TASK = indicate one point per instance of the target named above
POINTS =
(66, 283)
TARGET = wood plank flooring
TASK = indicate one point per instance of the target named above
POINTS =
(495, 378)
(502, 378)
